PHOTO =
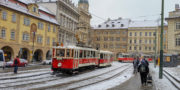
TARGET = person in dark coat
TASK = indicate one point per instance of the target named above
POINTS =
(16, 63)
(135, 64)
(143, 68)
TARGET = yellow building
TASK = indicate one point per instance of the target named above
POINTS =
(111, 35)
(26, 27)
(141, 37)
(83, 32)
(174, 31)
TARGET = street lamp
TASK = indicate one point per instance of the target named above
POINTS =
(34, 33)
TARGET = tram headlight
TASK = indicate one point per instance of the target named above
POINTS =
(59, 64)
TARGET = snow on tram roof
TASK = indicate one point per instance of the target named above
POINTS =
(109, 52)
(75, 47)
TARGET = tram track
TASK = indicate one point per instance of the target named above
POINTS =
(172, 79)
(64, 84)
(38, 81)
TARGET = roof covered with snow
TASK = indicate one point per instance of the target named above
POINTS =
(114, 24)
(45, 9)
(145, 23)
(24, 10)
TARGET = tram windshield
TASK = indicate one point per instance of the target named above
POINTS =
(60, 52)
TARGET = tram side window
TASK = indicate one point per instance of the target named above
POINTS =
(88, 53)
(67, 53)
(85, 54)
(72, 53)
(81, 54)
(93, 54)
(60, 52)
(101, 56)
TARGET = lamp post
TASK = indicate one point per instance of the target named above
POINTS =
(33, 46)
(161, 47)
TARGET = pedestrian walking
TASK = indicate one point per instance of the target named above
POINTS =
(143, 68)
(135, 64)
(16, 63)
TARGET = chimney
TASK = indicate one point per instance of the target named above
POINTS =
(176, 7)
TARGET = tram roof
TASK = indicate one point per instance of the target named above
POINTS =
(107, 52)
(75, 47)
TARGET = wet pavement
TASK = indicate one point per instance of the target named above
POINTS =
(134, 84)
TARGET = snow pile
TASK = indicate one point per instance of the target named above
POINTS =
(160, 84)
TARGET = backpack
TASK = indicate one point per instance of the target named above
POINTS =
(15, 61)
(142, 68)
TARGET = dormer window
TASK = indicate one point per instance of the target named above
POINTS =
(34, 9)
(119, 22)
(107, 25)
(99, 26)
(122, 25)
(113, 25)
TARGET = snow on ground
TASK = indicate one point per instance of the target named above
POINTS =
(77, 77)
(160, 84)
(111, 83)
(174, 71)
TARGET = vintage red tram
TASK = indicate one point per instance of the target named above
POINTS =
(68, 59)
(106, 58)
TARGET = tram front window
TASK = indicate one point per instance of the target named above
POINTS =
(68, 53)
(60, 52)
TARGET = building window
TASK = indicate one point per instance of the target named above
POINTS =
(134, 41)
(105, 46)
(3, 33)
(124, 39)
(12, 35)
(34, 9)
(139, 47)
(149, 33)
(113, 25)
(53, 42)
(140, 34)
(107, 25)
(111, 38)
(54, 28)
(145, 41)
(150, 48)
(122, 25)
(130, 48)
(111, 46)
(145, 33)
(130, 34)
(98, 46)
(117, 38)
(25, 37)
(105, 38)
(123, 47)
(105, 32)
(49, 27)
(118, 32)
(140, 41)
(164, 46)
(130, 41)
(39, 39)
(135, 48)
(40, 25)
(4, 15)
(135, 34)
(14, 18)
(98, 38)
(48, 40)
(117, 45)
(99, 26)
(149, 41)
(26, 21)
(145, 48)
(154, 33)
(124, 32)
(178, 41)
(178, 25)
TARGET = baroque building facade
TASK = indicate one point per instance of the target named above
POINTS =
(67, 15)
(144, 37)
(26, 30)
(174, 31)
(83, 32)
(111, 35)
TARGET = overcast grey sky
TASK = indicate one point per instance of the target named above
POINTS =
(133, 9)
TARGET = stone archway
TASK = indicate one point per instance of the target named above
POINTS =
(48, 55)
(38, 55)
(24, 53)
(8, 53)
